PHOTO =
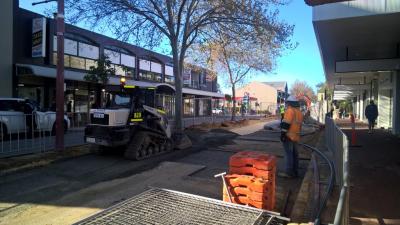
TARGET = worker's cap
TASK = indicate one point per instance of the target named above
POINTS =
(292, 98)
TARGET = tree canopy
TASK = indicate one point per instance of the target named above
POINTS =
(300, 88)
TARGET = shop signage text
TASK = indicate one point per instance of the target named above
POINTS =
(39, 37)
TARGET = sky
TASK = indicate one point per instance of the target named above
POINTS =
(303, 63)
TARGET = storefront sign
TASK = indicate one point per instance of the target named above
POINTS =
(39, 37)
(187, 76)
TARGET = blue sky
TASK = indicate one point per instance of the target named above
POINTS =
(303, 63)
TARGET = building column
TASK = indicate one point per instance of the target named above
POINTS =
(396, 103)
(6, 46)
(361, 106)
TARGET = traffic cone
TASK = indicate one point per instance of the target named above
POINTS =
(353, 131)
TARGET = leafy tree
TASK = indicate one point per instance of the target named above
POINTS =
(237, 55)
(302, 88)
(181, 23)
(100, 73)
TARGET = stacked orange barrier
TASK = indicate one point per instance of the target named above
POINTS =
(252, 179)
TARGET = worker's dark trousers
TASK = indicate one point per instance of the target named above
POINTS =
(291, 158)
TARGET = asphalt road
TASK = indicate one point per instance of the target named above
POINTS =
(67, 191)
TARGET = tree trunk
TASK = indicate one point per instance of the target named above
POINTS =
(178, 93)
(234, 102)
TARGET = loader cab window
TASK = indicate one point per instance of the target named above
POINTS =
(118, 100)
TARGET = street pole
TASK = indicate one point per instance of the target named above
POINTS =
(60, 77)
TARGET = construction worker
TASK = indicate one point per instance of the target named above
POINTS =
(282, 110)
(290, 136)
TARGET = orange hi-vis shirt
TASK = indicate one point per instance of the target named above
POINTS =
(294, 117)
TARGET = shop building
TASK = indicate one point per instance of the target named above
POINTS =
(28, 64)
(359, 42)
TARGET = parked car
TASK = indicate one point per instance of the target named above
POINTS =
(217, 111)
(19, 115)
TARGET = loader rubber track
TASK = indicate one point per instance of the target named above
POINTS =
(145, 144)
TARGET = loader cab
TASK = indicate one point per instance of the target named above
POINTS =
(125, 97)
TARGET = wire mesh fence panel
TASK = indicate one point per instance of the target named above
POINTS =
(162, 207)
(78, 119)
(337, 143)
(32, 133)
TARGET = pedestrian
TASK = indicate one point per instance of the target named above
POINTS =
(282, 110)
(371, 112)
(290, 136)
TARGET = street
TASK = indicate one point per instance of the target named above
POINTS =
(68, 191)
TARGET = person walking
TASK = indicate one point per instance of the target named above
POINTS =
(282, 110)
(290, 136)
(371, 112)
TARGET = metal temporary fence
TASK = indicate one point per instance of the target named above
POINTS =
(78, 119)
(337, 143)
(32, 133)
(162, 206)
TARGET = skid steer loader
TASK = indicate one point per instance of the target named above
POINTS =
(130, 121)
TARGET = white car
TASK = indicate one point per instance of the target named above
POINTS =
(19, 115)
(217, 111)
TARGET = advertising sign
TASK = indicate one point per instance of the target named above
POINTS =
(187, 76)
(39, 37)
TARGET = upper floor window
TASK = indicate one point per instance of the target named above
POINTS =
(120, 58)
(149, 70)
(77, 54)
(169, 74)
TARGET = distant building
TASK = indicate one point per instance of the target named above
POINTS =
(263, 96)
(282, 89)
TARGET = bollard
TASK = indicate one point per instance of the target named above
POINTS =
(353, 129)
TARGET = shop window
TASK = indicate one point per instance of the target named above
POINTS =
(128, 60)
(77, 62)
(188, 107)
(113, 56)
(169, 79)
(119, 70)
(145, 75)
(66, 60)
(88, 51)
(90, 63)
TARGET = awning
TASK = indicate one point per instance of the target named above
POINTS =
(50, 72)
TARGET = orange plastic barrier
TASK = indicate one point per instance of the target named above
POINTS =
(250, 190)
(255, 196)
(259, 160)
(243, 200)
(250, 182)
(252, 171)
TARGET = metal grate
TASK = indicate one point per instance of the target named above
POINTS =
(162, 207)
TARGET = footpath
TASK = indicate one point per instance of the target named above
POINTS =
(374, 177)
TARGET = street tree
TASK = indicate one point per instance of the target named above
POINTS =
(180, 23)
(238, 55)
(101, 72)
(301, 88)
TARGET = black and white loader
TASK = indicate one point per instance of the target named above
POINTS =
(130, 121)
